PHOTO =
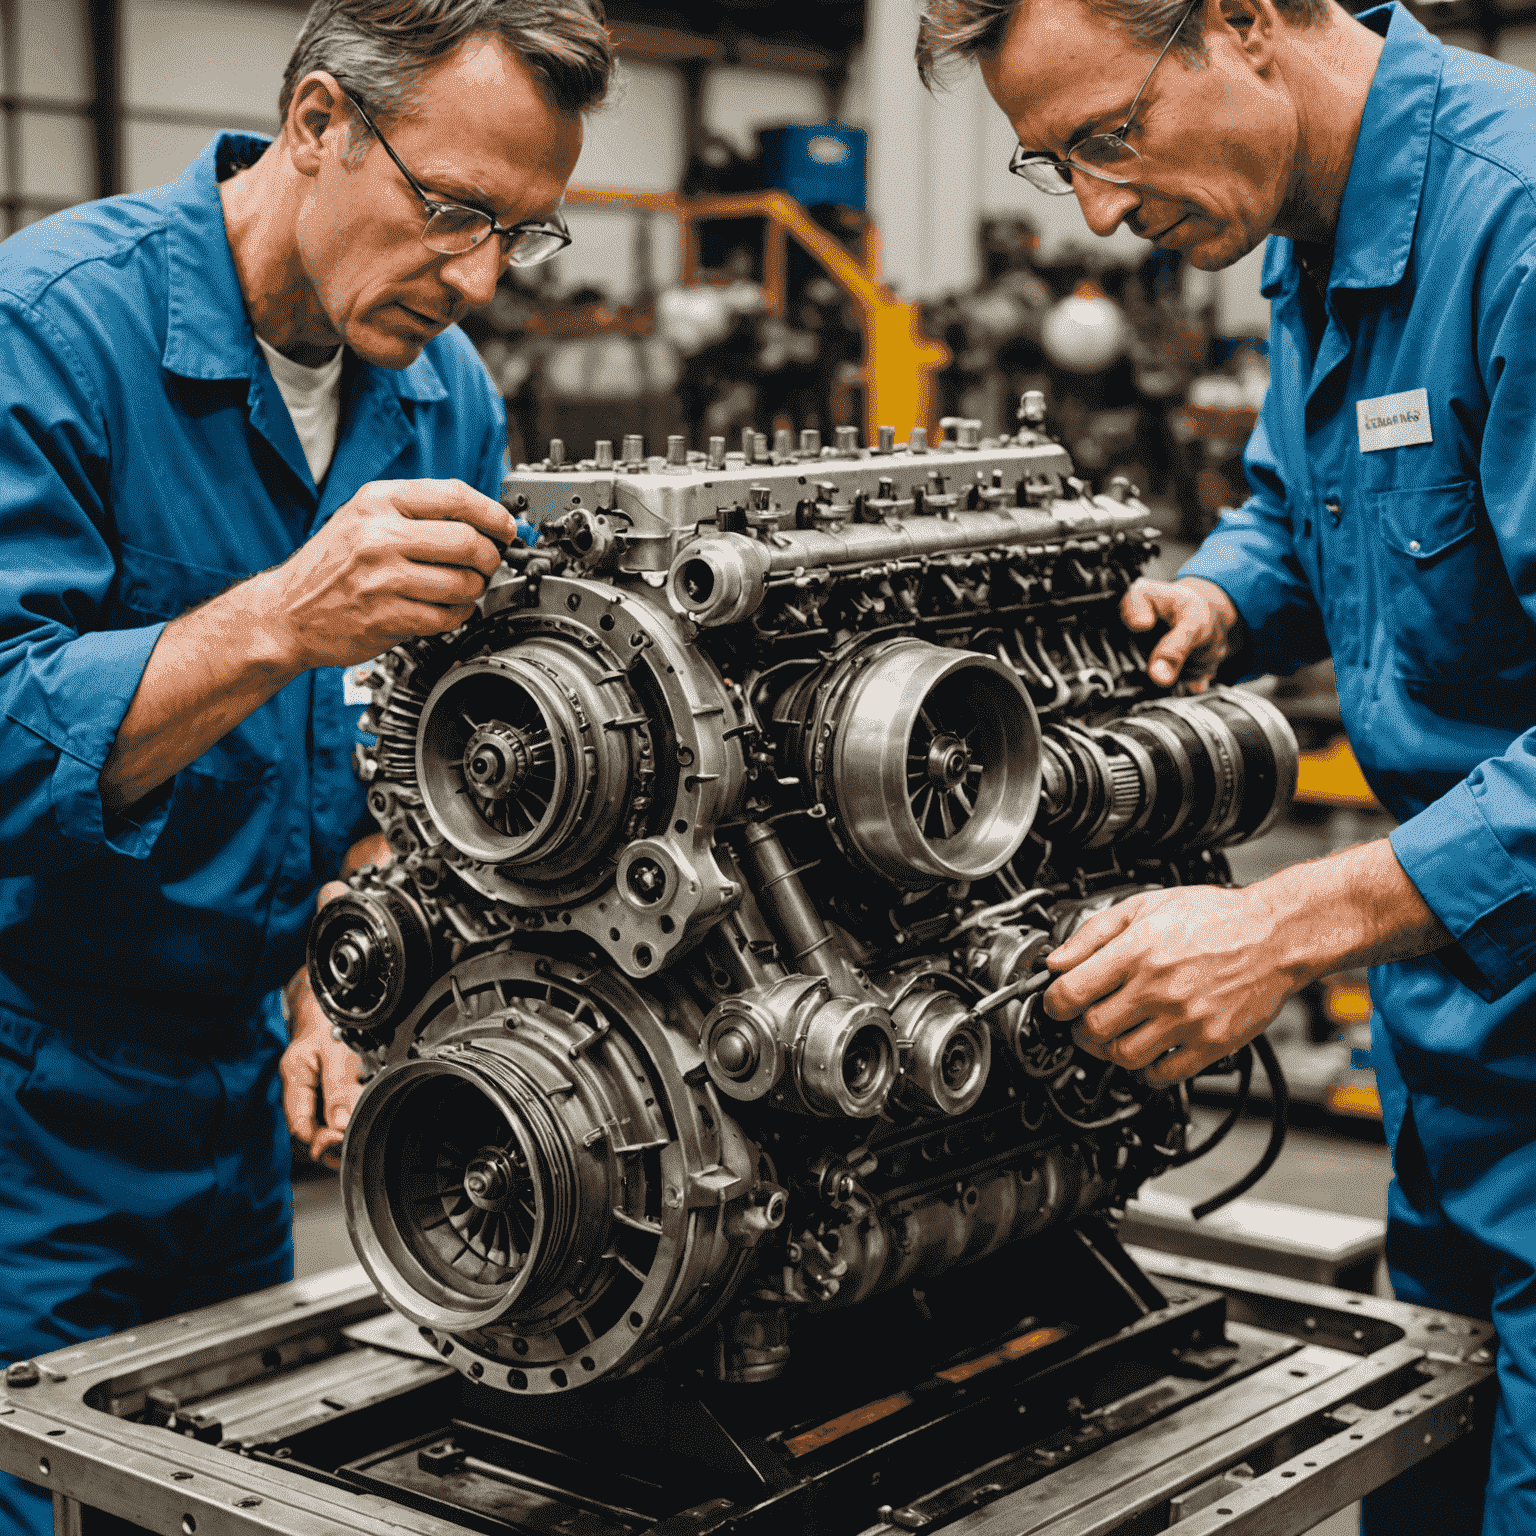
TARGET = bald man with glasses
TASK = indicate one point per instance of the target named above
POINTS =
(1391, 526)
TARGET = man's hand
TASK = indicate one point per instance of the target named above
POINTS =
(402, 558)
(315, 1067)
(1203, 628)
(1170, 981)
(320, 1075)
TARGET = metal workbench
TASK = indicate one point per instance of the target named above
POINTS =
(309, 1409)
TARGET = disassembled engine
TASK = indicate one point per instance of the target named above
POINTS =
(729, 840)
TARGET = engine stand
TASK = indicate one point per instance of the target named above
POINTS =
(1066, 1391)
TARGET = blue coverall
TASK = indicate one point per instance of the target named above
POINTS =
(147, 462)
(1414, 567)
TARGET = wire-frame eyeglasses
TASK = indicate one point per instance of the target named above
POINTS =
(1108, 156)
(452, 228)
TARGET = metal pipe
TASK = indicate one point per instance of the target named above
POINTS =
(721, 580)
(806, 939)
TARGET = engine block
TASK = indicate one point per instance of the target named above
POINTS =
(729, 839)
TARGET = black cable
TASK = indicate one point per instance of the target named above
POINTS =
(1279, 1106)
(1120, 1116)
(1244, 1062)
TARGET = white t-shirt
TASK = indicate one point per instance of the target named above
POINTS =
(313, 398)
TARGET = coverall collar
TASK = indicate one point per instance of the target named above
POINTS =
(1386, 179)
(208, 333)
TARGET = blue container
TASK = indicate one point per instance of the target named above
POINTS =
(820, 163)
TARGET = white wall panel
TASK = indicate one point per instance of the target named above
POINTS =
(1517, 45)
(58, 157)
(154, 153)
(637, 140)
(207, 56)
(737, 102)
(1463, 37)
(603, 253)
(53, 56)
(1241, 310)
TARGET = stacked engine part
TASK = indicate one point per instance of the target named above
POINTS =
(729, 839)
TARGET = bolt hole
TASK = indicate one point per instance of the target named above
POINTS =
(42, 1465)
(519, 1346)
(666, 924)
(246, 1503)
(558, 1377)
(1287, 1474)
(642, 957)
(447, 1349)
(635, 1320)
(565, 917)
(53, 1434)
(271, 1359)
(1309, 1463)
(1223, 1511)
(588, 1363)
(1301, 1374)
(1357, 1437)
(606, 622)
(613, 933)
(477, 1370)
(680, 826)
(188, 1524)
(181, 1477)
(573, 602)
(517, 1381)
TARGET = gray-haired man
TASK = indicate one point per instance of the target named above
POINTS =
(244, 450)
(1393, 473)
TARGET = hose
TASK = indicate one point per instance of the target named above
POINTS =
(1279, 1106)
(1244, 1064)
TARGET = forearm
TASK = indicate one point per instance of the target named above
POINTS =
(1353, 908)
(210, 670)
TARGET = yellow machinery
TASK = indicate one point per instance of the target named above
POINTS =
(899, 360)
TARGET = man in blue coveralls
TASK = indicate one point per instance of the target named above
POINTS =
(242, 448)
(1392, 526)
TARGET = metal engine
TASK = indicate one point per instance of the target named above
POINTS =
(730, 838)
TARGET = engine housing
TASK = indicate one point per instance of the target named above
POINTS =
(729, 838)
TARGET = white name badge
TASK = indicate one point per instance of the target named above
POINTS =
(1394, 421)
(354, 690)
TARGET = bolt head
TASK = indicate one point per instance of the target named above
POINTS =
(734, 1053)
(22, 1373)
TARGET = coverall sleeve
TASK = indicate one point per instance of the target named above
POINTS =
(1251, 556)
(66, 680)
(1472, 852)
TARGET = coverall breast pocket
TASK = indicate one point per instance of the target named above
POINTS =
(1449, 608)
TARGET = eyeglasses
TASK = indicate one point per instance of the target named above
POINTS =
(452, 229)
(1105, 155)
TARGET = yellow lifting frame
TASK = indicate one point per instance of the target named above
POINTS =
(899, 360)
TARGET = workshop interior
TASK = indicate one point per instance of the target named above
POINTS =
(717, 1167)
